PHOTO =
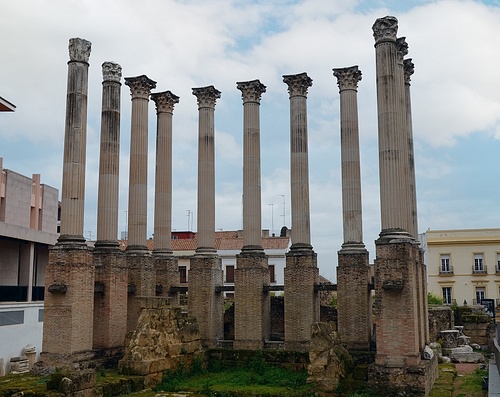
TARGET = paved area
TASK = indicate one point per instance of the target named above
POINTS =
(493, 379)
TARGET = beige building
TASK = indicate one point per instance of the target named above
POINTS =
(28, 226)
(463, 266)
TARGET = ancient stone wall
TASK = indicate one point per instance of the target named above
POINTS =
(440, 319)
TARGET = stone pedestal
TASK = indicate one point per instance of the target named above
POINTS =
(204, 303)
(354, 298)
(251, 303)
(167, 275)
(110, 298)
(141, 283)
(301, 299)
(69, 300)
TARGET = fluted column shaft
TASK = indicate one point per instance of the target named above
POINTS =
(408, 72)
(252, 222)
(206, 97)
(140, 88)
(393, 158)
(299, 167)
(165, 102)
(75, 142)
(109, 159)
(348, 79)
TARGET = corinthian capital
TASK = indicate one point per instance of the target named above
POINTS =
(251, 91)
(140, 86)
(164, 101)
(79, 50)
(402, 48)
(297, 84)
(347, 78)
(385, 29)
(111, 72)
(206, 96)
(409, 69)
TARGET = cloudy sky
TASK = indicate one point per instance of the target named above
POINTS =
(183, 44)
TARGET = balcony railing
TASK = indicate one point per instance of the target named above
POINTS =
(451, 302)
(479, 270)
(446, 272)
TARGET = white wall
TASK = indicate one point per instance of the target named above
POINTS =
(13, 338)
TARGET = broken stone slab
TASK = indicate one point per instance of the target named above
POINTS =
(428, 353)
(467, 358)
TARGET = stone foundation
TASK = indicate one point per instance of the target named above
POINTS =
(164, 338)
(411, 381)
(301, 299)
(354, 299)
(69, 299)
(204, 303)
(251, 303)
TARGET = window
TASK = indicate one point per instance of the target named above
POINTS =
(445, 264)
(272, 274)
(447, 295)
(183, 274)
(229, 274)
(478, 263)
(498, 262)
(12, 318)
(480, 294)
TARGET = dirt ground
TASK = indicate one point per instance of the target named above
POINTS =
(463, 369)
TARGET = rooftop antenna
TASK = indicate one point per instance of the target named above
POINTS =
(284, 213)
(272, 218)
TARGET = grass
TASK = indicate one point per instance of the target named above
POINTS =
(471, 385)
(253, 378)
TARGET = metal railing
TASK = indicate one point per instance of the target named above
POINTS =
(446, 272)
(479, 270)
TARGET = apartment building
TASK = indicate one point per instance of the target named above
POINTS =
(463, 266)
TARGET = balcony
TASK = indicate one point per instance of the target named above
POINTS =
(446, 271)
(452, 302)
(479, 270)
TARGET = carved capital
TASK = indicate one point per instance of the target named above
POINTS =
(111, 72)
(164, 101)
(297, 84)
(385, 29)
(140, 86)
(347, 78)
(251, 91)
(206, 96)
(79, 50)
(402, 48)
(409, 69)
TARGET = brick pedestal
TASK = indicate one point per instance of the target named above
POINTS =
(110, 297)
(397, 274)
(167, 275)
(301, 300)
(204, 304)
(69, 299)
(251, 303)
(141, 283)
(354, 298)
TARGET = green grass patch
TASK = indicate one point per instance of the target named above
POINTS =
(472, 384)
(255, 377)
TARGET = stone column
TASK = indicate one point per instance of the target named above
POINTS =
(301, 272)
(353, 272)
(69, 277)
(109, 160)
(167, 270)
(251, 303)
(398, 275)
(75, 142)
(140, 88)
(111, 279)
(393, 159)
(141, 277)
(205, 272)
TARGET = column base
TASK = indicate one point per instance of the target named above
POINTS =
(251, 303)
(141, 283)
(204, 303)
(301, 299)
(167, 275)
(414, 381)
